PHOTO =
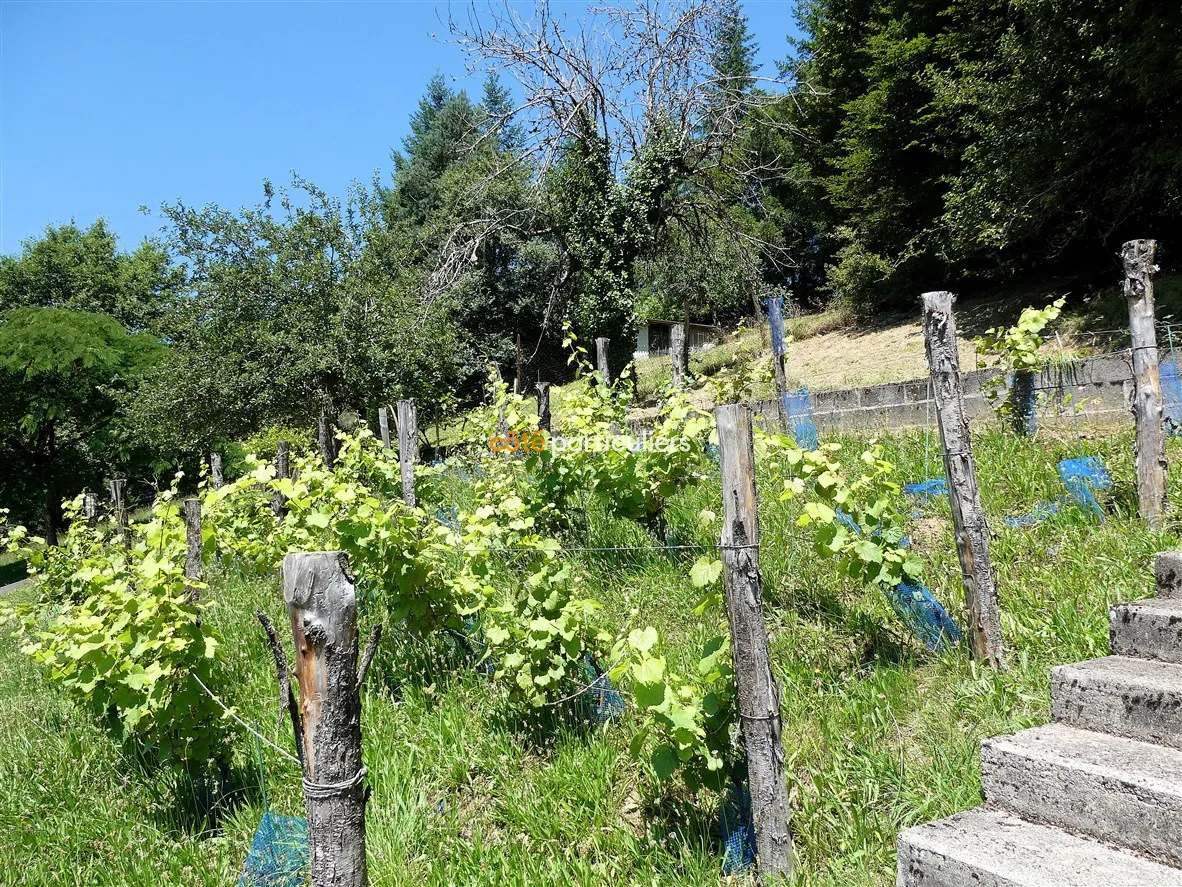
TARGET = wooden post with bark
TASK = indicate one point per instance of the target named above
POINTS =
(118, 489)
(328, 448)
(282, 470)
(677, 353)
(90, 508)
(193, 548)
(517, 375)
(217, 478)
(757, 690)
(408, 448)
(775, 322)
(322, 605)
(1138, 257)
(544, 406)
(685, 339)
(601, 362)
(968, 516)
(384, 427)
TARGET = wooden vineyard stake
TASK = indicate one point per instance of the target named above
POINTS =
(384, 427)
(677, 353)
(968, 516)
(217, 479)
(544, 406)
(601, 360)
(322, 605)
(757, 690)
(328, 449)
(90, 508)
(118, 489)
(193, 548)
(775, 322)
(408, 448)
(1138, 257)
(282, 470)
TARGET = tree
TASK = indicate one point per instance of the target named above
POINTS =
(61, 375)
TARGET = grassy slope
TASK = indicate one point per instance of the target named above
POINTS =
(469, 791)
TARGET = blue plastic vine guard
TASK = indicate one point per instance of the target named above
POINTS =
(278, 854)
(1081, 477)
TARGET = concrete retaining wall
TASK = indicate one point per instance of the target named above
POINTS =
(1102, 386)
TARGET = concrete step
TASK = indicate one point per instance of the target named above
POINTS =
(1137, 698)
(1167, 568)
(1114, 789)
(985, 848)
(1149, 629)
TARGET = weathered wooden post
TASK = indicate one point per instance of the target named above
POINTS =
(384, 427)
(90, 508)
(775, 322)
(1138, 257)
(118, 489)
(322, 604)
(328, 449)
(677, 353)
(282, 470)
(685, 339)
(217, 478)
(968, 516)
(517, 376)
(758, 692)
(601, 360)
(408, 448)
(544, 406)
(193, 552)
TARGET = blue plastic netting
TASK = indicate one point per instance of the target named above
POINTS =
(937, 486)
(712, 453)
(918, 609)
(798, 408)
(738, 831)
(775, 320)
(1023, 399)
(1171, 393)
(1081, 477)
(278, 854)
(604, 701)
(1041, 512)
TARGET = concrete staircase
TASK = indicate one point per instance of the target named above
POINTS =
(1093, 799)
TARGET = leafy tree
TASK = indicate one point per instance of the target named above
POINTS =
(62, 372)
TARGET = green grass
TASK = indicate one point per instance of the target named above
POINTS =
(468, 790)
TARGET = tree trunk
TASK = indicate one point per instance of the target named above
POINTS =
(1138, 256)
(968, 516)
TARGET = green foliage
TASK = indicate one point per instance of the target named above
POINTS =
(115, 629)
(1017, 349)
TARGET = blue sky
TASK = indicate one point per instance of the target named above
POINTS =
(109, 106)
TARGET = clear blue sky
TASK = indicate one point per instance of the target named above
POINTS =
(109, 106)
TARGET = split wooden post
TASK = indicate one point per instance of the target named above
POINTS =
(544, 406)
(1138, 257)
(384, 427)
(193, 551)
(322, 604)
(118, 489)
(757, 690)
(328, 450)
(408, 448)
(90, 508)
(968, 516)
(217, 478)
(677, 353)
(282, 470)
(601, 360)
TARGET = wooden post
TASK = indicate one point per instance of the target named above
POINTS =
(282, 469)
(328, 449)
(193, 553)
(118, 488)
(544, 406)
(601, 360)
(408, 448)
(90, 508)
(1138, 257)
(775, 322)
(968, 517)
(677, 353)
(685, 339)
(384, 427)
(517, 376)
(758, 692)
(322, 604)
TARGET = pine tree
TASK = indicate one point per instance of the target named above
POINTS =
(733, 58)
(498, 105)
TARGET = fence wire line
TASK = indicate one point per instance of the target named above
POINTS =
(257, 735)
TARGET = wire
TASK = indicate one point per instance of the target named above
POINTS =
(257, 735)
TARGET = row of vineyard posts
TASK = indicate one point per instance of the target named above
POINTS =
(321, 601)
